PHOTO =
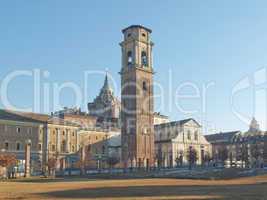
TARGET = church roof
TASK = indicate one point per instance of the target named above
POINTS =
(176, 123)
(32, 117)
(23, 116)
(221, 137)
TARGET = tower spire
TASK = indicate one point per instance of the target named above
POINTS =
(106, 87)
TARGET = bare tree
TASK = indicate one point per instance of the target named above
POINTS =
(179, 158)
(223, 154)
(244, 156)
(7, 160)
(256, 150)
(192, 157)
(207, 158)
(159, 157)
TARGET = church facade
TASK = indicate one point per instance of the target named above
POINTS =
(174, 141)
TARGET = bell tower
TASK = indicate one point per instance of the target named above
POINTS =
(137, 98)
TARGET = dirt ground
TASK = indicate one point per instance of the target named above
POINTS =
(242, 188)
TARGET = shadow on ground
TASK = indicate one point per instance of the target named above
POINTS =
(257, 191)
(53, 180)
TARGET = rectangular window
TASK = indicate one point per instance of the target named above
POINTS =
(18, 146)
(53, 147)
(30, 130)
(39, 147)
(18, 130)
(6, 145)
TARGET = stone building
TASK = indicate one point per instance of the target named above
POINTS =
(174, 140)
(106, 107)
(50, 137)
(75, 115)
(240, 149)
(222, 144)
(137, 98)
(98, 146)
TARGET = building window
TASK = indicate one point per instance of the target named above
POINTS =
(73, 148)
(188, 135)
(144, 58)
(63, 146)
(6, 145)
(18, 146)
(129, 58)
(73, 134)
(96, 137)
(143, 34)
(18, 130)
(196, 135)
(145, 131)
(63, 133)
(103, 149)
(29, 130)
(5, 128)
(53, 147)
(160, 136)
(144, 86)
(39, 147)
(89, 148)
(129, 35)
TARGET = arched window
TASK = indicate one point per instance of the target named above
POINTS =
(144, 58)
(63, 147)
(144, 86)
(129, 58)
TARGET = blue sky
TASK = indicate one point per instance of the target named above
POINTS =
(201, 42)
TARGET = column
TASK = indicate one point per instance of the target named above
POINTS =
(27, 172)
(67, 141)
(58, 140)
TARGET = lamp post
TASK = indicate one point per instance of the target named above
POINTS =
(27, 170)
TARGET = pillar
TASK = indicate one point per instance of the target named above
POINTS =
(27, 172)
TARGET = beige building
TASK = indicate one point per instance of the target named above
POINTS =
(49, 137)
(98, 146)
(173, 141)
(240, 149)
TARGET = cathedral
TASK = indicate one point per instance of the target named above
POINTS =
(128, 131)
(106, 107)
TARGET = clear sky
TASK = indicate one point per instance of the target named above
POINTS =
(196, 43)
